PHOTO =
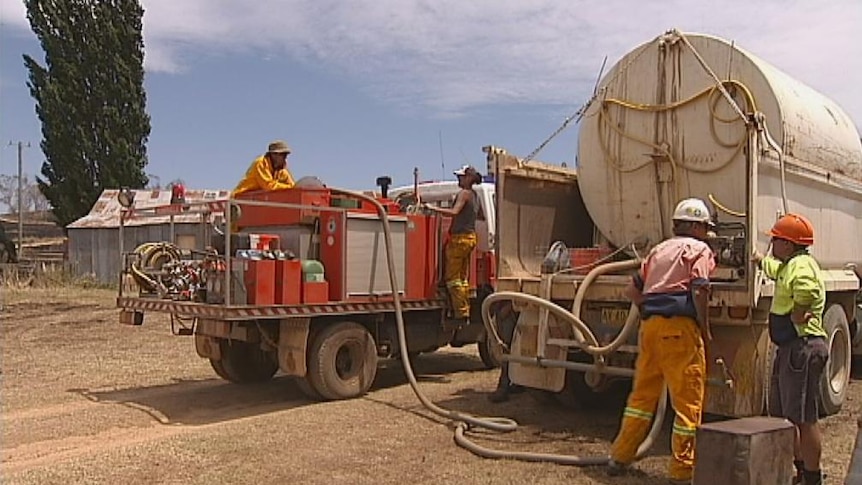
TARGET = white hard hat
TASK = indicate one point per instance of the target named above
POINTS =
(693, 210)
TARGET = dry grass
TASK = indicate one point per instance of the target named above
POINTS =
(85, 400)
(55, 276)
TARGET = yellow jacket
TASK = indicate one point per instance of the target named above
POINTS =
(260, 176)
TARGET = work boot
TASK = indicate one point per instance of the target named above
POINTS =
(800, 468)
(680, 481)
(616, 468)
(812, 477)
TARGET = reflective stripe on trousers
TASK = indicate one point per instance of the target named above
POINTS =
(457, 265)
(670, 350)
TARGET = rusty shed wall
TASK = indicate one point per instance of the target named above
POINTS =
(96, 251)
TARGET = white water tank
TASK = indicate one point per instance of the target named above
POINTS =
(656, 134)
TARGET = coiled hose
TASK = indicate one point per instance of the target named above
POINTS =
(466, 421)
(153, 255)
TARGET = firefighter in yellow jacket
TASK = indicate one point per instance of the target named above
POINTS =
(268, 171)
(672, 292)
(462, 241)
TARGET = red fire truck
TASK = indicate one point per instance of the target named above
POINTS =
(298, 281)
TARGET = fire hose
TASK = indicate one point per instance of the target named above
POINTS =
(152, 255)
(466, 421)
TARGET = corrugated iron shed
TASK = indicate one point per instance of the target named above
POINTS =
(94, 239)
(106, 211)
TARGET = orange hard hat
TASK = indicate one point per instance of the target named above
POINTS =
(794, 228)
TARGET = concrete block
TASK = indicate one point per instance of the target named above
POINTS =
(854, 472)
(747, 451)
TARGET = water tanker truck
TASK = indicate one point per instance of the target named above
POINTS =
(683, 115)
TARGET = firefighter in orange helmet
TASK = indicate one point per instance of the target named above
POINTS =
(462, 241)
(268, 171)
(796, 328)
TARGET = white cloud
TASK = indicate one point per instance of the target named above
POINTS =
(449, 55)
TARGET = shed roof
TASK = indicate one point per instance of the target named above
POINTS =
(106, 211)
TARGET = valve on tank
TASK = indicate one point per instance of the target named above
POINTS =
(728, 244)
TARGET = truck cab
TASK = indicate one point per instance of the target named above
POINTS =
(483, 267)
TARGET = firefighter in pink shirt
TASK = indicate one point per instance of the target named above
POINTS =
(672, 292)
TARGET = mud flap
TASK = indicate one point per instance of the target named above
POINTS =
(207, 347)
(292, 345)
(525, 344)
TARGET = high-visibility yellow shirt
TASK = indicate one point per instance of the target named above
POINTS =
(798, 283)
(260, 176)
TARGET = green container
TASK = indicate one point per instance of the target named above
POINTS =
(312, 270)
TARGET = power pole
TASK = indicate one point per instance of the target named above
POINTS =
(21, 146)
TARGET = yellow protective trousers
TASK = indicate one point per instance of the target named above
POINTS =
(457, 265)
(670, 351)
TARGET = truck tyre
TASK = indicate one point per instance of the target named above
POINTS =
(342, 362)
(5, 254)
(836, 375)
(244, 362)
(307, 389)
(218, 367)
(490, 351)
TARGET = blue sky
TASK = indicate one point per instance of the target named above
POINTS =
(362, 88)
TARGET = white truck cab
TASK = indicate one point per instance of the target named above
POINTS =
(443, 194)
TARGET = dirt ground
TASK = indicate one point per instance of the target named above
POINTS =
(86, 400)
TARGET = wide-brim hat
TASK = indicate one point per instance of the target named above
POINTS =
(278, 146)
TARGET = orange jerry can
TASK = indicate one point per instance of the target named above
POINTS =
(260, 281)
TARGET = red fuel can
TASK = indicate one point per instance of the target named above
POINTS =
(288, 282)
(260, 281)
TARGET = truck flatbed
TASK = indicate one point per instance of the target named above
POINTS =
(254, 312)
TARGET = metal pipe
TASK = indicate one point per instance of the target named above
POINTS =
(565, 364)
(21, 200)
(228, 279)
(122, 249)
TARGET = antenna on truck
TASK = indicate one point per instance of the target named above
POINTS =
(442, 161)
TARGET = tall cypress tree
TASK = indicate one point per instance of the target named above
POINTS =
(90, 99)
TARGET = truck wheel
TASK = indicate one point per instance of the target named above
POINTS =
(490, 352)
(836, 375)
(218, 367)
(244, 362)
(342, 362)
(307, 389)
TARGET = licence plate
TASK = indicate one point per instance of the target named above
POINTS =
(615, 317)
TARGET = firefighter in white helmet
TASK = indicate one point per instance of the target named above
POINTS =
(672, 292)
